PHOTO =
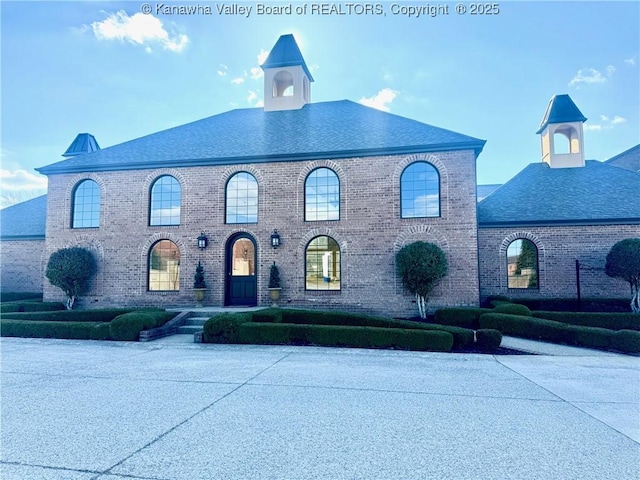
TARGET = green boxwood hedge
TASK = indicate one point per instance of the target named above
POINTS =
(127, 327)
(612, 321)
(223, 328)
(488, 339)
(97, 315)
(30, 306)
(512, 309)
(465, 317)
(36, 329)
(627, 341)
(17, 296)
(344, 336)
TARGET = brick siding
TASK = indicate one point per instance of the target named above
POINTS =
(22, 265)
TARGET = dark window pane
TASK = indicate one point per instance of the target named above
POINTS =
(322, 268)
(86, 205)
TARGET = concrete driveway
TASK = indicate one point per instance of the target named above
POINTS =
(80, 410)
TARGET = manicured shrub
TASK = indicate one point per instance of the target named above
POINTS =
(494, 300)
(223, 328)
(269, 315)
(71, 270)
(488, 339)
(592, 337)
(17, 296)
(612, 321)
(98, 315)
(513, 309)
(314, 317)
(127, 327)
(460, 317)
(528, 327)
(627, 341)
(27, 306)
(100, 331)
(30, 329)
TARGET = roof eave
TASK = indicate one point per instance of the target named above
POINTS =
(560, 223)
(476, 146)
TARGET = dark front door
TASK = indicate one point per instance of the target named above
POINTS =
(241, 288)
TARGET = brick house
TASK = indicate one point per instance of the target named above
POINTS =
(342, 186)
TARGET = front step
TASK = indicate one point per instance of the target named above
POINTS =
(193, 325)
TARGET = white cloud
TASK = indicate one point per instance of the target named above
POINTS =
(630, 61)
(17, 180)
(381, 100)
(606, 123)
(139, 29)
(256, 72)
(254, 100)
(610, 70)
(223, 70)
(237, 81)
(587, 75)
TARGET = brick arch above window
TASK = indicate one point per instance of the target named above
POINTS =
(425, 233)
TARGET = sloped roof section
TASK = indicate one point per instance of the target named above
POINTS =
(539, 195)
(24, 221)
(286, 53)
(340, 129)
(83, 143)
(629, 159)
(561, 109)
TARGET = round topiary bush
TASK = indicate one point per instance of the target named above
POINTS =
(488, 339)
(513, 309)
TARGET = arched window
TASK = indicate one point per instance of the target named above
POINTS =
(86, 205)
(322, 264)
(420, 191)
(164, 266)
(522, 264)
(322, 195)
(165, 202)
(242, 199)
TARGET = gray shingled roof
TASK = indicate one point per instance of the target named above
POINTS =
(24, 221)
(338, 129)
(629, 159)
(539, 195)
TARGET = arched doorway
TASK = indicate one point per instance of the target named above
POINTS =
(241, 287)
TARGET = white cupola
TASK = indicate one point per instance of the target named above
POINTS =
(562, 135)
(287, 80)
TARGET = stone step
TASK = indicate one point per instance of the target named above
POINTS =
(189, 329)
(196, 321)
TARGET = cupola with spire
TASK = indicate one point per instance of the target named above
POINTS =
(287, 80)
(562, 136)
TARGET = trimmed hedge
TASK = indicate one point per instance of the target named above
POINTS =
(223, 328)
(17, 296)
(572, 305)
(488, 339)
(344, 336)
(97, 315)
(460, 317)
(612, 321)
(127, 327)
(35, 329)
(30, 306)
(627, 341)
(512, 309)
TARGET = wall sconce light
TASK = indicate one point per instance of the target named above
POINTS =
(275, 239)
(202, 241)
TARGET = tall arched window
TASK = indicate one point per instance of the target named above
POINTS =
(164, 266)
(86, 205)
(522, 264)
(322, 195)
(242, 199)
(322, 264)
(165, 202)
(420, 191)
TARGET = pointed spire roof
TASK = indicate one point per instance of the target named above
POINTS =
(285, 53)
(83, 143)
(561, 109)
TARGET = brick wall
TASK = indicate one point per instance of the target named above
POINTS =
(369, 232)
(558, 249)
(22, 265)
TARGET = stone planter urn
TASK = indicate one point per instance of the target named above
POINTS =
(199, 296)
(274, 285)
(199, 285)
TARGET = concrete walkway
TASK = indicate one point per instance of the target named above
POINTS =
(80, 410)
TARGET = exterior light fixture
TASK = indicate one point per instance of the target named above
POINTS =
(202, 241)
(275, 239)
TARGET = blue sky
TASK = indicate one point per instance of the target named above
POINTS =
(108, 69)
